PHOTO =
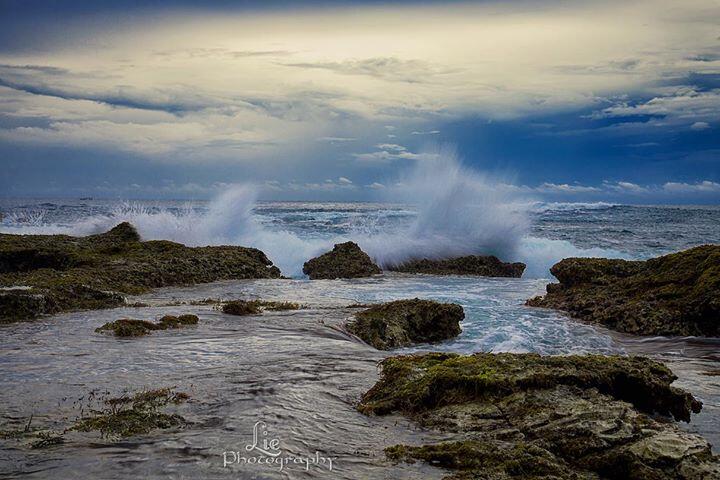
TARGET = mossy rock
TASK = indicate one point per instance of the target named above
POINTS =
(520, 416)
(407, 322)
(256, 307)
(677, 294)
(345, 260)
(471, 265)
(126, 327)
(67, 273)
(241, 308)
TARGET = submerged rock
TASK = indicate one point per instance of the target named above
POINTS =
(527, 416)
(677, 294)
(407, 322)
(73, 273)
(478, 265)
(126, 327)
(345, 260)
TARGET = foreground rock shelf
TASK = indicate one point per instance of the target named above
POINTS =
(677, 294)
(527, 416)
(47, 274)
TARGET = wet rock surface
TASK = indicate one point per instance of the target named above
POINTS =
(256, 307)
(478, 265)
(345, 260)
(529, 416)
(407, 322)
(676, 294)
(61, 273)
(126, 327)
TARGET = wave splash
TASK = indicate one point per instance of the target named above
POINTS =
(458, 212)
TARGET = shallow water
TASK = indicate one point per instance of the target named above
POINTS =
(294, 370)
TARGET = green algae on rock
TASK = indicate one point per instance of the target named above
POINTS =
(526, 416)
(345, 260)
(57, 273)
(126, 327)
(676, 294)
(471, 265)
(407, 322)
(133, 415)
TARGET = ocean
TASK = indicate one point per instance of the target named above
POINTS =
(294, 370)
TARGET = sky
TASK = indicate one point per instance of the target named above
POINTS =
(582, 100)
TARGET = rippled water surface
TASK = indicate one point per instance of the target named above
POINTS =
(297, 371)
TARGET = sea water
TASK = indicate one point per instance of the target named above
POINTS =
(294, 370)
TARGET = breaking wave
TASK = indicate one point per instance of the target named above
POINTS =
(457, 211)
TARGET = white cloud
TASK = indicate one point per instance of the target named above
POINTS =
(705, 186)
(625, 187)
(700, 126)
(376, 186)
(566, 188)
(429, 132)
(344, 181)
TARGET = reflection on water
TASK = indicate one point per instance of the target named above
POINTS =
(293, 370)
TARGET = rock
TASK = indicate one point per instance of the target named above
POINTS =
(677, 294)
(518, 416)
(25, 304)
(74, 273)
(126, 327)
(256, 307)
(241, 308)
(407, 322)
(171, 321)
(478, 265)
(346, 260)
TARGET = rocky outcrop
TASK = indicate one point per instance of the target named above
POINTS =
(407, 322)
(476, 265)
(59, 273)
(126, 327)
(345, 260)
(520, 416)
(677, 294)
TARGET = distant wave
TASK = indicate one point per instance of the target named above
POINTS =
(541, 207)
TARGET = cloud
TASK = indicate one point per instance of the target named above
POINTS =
(429, 132)
(700, 126)
(682, 106)
(625, 187)
(566, 188)
(344, 181)
(376, 186)
(386, 68)
(336, 139)
(389, 152)
(705, 186)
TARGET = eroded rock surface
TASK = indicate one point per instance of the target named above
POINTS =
(407, 322)
(676, 294)
(523, 416)
(61, 273)
(477, 265)
(345, 260)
